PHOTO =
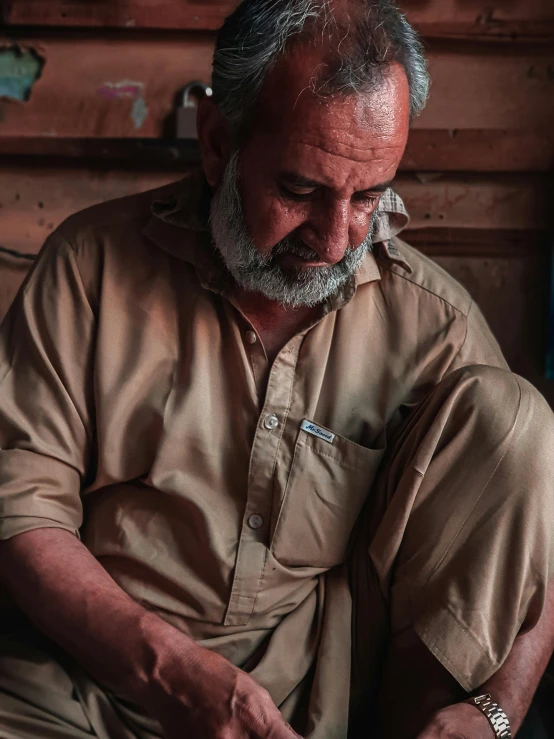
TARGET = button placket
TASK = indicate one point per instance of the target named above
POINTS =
(252, 549)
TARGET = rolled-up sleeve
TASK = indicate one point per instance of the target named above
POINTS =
(46, 396)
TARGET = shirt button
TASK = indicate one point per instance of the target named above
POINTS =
(251, 337)
(271, 423)
(255, 522)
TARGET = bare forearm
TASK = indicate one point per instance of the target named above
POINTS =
(72, 599)
(514, 685)
(430, 693)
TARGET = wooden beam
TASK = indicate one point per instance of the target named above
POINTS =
(509, 32)
(513, 294)
(483, 150)
(121, 152)
(493, 202)
(517, 20)
(113, 86)
(135, 14)
(478, 87)
(428, 151)
(116, 86)
(477, 242)
(520, 20)
(35, 199)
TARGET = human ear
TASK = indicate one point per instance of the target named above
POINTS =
(215, 141)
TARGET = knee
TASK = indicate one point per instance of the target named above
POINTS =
(500, 402)
(487, 385)
(492, 395)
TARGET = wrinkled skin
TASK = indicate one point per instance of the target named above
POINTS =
(460, 721)
(213, 699)
(311, 167)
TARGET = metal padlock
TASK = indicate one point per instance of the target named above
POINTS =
(186, 114)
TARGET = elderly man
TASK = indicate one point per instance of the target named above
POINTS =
(263, 467)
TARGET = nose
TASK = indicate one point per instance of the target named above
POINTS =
(329, 231)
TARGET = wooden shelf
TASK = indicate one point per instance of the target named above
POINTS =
(117, 151)
(428, 151)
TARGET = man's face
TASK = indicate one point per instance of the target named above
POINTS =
(293, 214)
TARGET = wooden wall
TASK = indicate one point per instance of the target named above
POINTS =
(477, 175)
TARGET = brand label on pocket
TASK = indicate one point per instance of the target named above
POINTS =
(311, 428)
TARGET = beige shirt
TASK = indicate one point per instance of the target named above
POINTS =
(138, 409)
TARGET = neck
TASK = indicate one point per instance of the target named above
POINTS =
(275, 323)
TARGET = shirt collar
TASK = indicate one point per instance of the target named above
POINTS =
(179, 224)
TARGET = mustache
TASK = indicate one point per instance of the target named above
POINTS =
(294, 245)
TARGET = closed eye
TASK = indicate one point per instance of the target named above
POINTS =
(298, 194)
(307, 193)
(365, 197)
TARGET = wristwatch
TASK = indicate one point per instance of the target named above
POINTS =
(495, 715)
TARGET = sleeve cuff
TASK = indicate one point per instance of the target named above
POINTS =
(15, 525)
(456, 648)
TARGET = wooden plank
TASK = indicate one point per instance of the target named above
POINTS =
(518, 20)
(157, 14)
(473, 88)
(118, 86)
(35, 199)
(428, 151)
(508, 32)
(472, 150)
(517, 202)
(435, 19)
(112, 86)
(159, 153)
(513, 295)
(477, 242)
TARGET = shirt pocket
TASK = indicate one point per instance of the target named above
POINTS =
(327, 487)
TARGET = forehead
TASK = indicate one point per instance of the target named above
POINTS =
(356, 126)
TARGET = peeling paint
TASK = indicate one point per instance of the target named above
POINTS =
(128, 89)
(139, 113)
(122, 89)
(19, 70)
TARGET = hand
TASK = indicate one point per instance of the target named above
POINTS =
(461, 721)
(204, 695)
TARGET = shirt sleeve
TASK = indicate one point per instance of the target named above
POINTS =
(46, 396)
(479, 345)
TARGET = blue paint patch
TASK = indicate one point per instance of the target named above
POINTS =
(19, 70)
(139, 113)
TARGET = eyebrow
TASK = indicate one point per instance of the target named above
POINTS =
(299, 181)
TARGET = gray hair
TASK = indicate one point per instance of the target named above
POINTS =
(371, 35)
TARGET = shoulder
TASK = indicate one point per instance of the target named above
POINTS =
(99, 222)
(426, 278)
(105, 245)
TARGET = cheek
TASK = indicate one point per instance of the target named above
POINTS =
(359, 227)
(269, 221)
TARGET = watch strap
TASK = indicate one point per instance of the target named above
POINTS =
(496, 717)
